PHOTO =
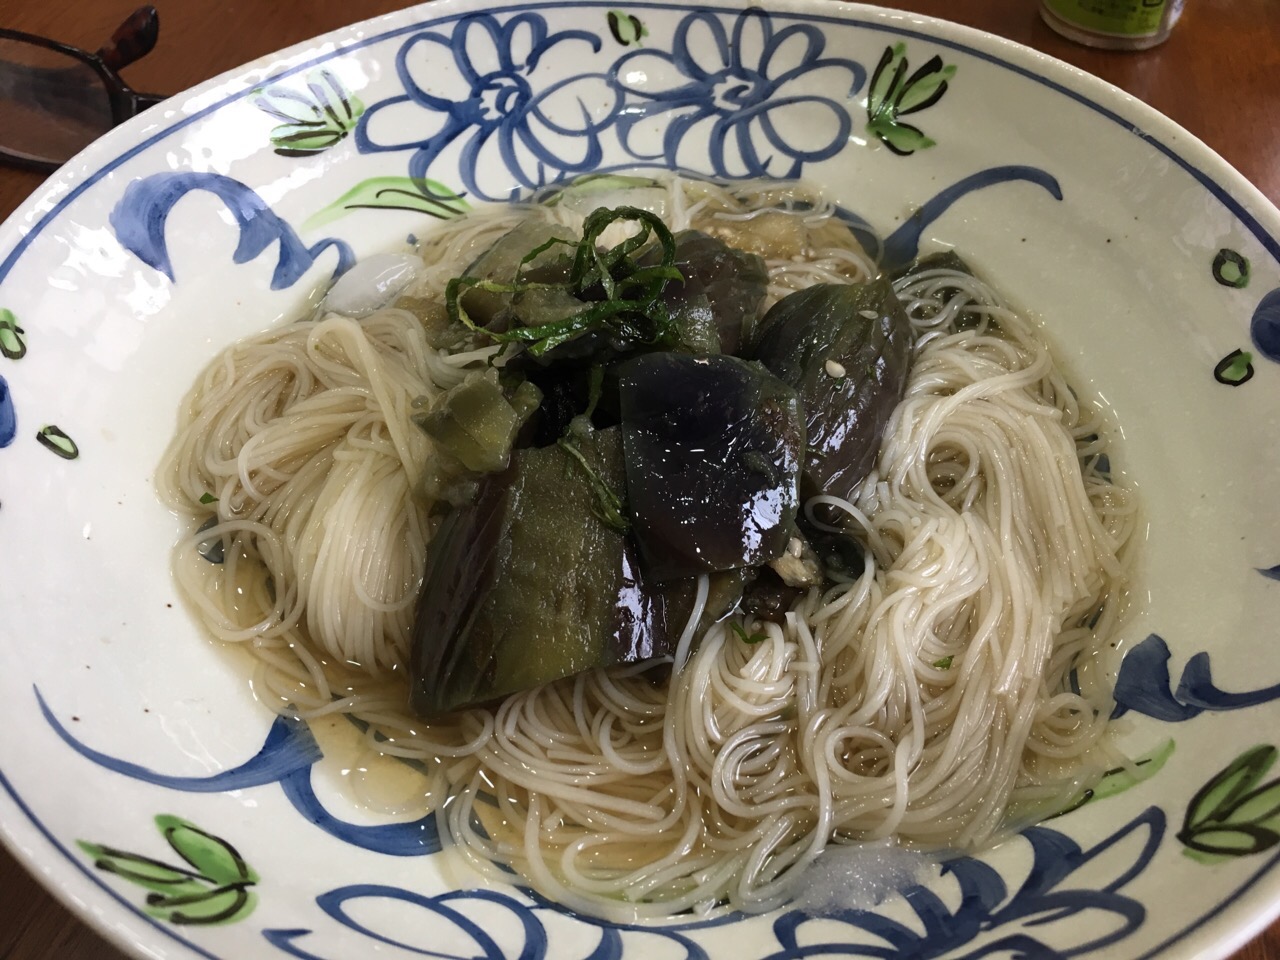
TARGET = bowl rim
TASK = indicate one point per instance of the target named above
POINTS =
(1222, 930)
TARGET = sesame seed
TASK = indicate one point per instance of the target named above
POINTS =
(834, 369)
(869, 314)
(795, 547)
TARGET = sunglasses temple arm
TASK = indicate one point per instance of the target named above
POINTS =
(133, 39)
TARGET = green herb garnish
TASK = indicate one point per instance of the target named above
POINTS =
(208, 498)
(752, 638)
(610, 507)
(617, 293)
(944, 663)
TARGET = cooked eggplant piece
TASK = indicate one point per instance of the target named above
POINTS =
(475, 423)
(846, 349)
(697, 322)
(821, 554)
(724, 593)
(527, 585)
(840, 554)
(713, 449)
(798, 565)
(501, 262)
(721, 294)
(565, 395)
(728, 282)
(442, 333)
(768, 597)
(537, 306)
(570, 389)
(603, 297)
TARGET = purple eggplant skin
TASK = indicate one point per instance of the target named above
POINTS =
(527, 585)
(719, 280)
(846, 350)
(713, 447)
(768, 598)
(724, 594)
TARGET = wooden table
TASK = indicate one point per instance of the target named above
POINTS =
(1218, 76)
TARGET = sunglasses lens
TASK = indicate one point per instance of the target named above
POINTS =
(51, 104)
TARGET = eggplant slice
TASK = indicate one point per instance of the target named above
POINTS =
(846, 350)
(527, 585)
(713, 449)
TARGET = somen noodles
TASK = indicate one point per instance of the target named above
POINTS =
(951, 687)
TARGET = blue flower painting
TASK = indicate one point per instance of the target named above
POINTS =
(719, 94)
(539, 130)
(1070, 902)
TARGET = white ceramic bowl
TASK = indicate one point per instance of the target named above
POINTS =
(226, 209)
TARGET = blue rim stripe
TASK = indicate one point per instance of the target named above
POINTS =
(1260, 233)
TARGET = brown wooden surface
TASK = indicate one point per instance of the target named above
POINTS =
(1218, 76)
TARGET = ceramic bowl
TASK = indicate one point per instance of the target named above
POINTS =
(141, 780)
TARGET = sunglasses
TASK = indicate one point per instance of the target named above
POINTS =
(57, 99)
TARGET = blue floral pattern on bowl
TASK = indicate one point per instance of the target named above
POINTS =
(721, 90)
(493, 103)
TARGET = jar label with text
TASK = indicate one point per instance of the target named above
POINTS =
(1125, 18)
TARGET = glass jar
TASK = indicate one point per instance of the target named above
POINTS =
(1113, 24)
